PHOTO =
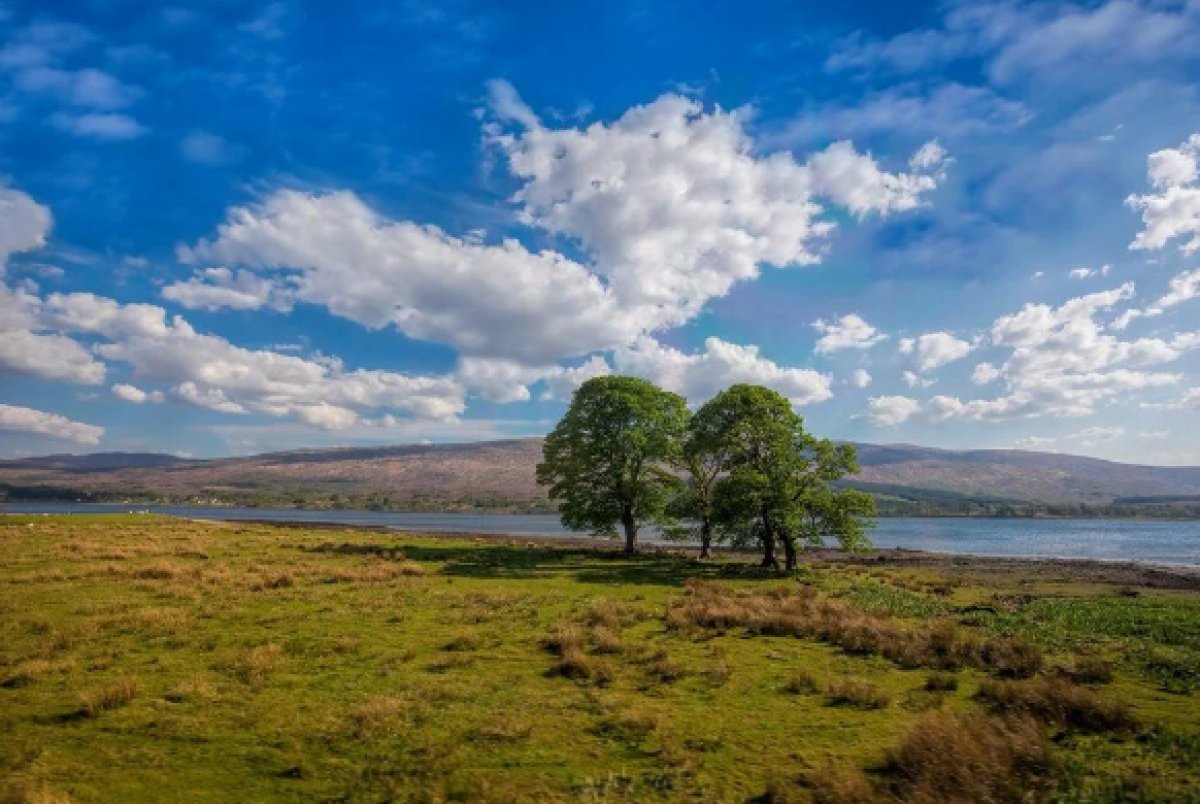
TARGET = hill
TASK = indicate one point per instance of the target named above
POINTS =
(499, 475)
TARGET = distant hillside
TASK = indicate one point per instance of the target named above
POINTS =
(499, 475)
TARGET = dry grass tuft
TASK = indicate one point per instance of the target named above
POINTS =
(804, 613)
(855, 692)
(257, 663)
(113, 696)
(1090, 669)
(20, 792)
(802, 682)
(26, 673)
(841, 786)
(605, 639)
(379, 715)
(971, 757)
(1012, 657)
(1058, 702)
(194, 688)
(665, 669)
(941, 682)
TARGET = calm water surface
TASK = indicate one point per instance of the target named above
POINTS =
(1152, 541)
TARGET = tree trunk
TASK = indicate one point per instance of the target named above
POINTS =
(630, 529)
(705, 539)
(768, 539)
(789, 549)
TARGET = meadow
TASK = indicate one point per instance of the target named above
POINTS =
(148, 658)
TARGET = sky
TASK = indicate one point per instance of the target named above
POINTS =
(230, 228)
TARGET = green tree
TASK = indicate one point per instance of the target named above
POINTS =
(776, 483)
(608, 462)
(694, 507)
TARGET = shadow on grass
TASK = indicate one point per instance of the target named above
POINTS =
(584, 565)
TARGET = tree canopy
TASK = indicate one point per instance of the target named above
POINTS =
(742, 469)
(608, 461)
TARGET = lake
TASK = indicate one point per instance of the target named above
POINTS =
(1151, 541)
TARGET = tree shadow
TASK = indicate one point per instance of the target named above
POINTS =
(595, 565)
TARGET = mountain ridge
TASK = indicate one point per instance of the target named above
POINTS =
(499, 475)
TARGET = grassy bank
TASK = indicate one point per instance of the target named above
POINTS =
(144, 658)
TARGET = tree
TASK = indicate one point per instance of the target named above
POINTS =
(694, 506)
(608, 460)
(776, 485)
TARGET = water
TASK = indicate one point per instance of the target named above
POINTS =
(1150, 541)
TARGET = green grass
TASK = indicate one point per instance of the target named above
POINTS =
(145, 657)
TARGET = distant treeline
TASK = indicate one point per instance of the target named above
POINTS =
(887, 505)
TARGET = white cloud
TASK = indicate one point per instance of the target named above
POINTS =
(984, 374)
(1174, 211)
(220, 288)
(24, 223)
(887, 411)
(1088, 273)
(99, 125)
(848, 332)
(37, 422)
(914, 380)
(701, 375)
(1035, 442)
(50, 357)
(1063, 362)
(88, 87)
(1182, 288)
(861, 378)
(935, 349)
(1154, 435)
(131, 393)
(209, 371)
(1094, 435)
(720, 212)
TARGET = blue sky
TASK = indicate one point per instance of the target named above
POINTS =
(228, 228)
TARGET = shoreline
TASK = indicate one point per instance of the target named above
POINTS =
(1129, 572)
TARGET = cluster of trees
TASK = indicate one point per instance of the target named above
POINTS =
(741, 470)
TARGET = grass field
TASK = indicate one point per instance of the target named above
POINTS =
(146, 658)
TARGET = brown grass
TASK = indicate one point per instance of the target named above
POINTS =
(941, 682)
(804, 613)
(258, 662)
(1090, 669)
(802, 682)
(855, 692)
(970, 757)
(1012, 657)
(112, 696)
(605, 639)
(27, 672)
(1058, 702)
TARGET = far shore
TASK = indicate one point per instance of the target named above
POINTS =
(1121, 573)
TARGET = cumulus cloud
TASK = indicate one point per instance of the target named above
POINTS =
(131, 393)
(209, 371)
(915, 380)
(935, 349)
(888, 411)
(49, 357)
(1062, 361)
(112, 126)
(220, 288)
(1182, 288)
(15, 419)
(701, 375)
(720, 212)
(860, 378)
(851, 331)
(1173, 211)
(984, 374)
